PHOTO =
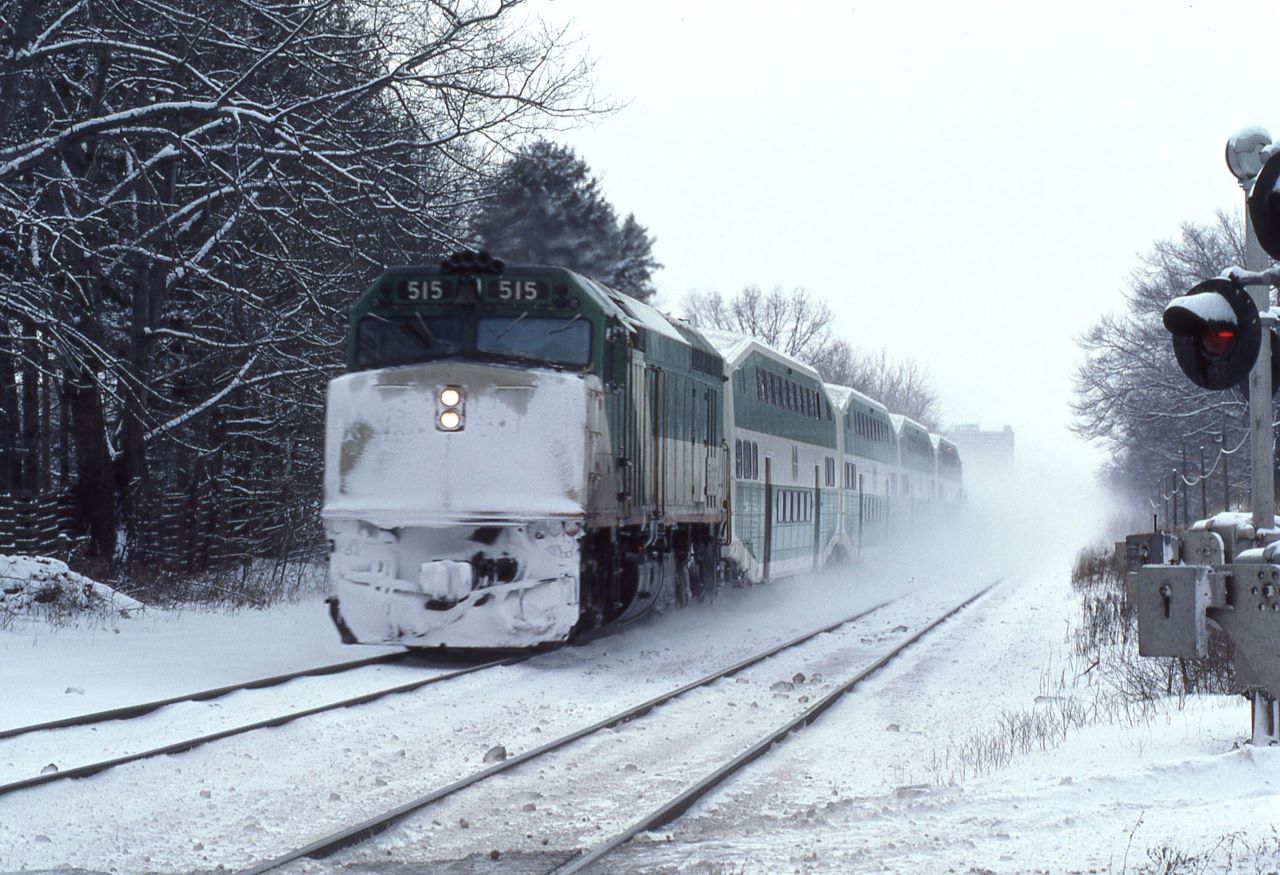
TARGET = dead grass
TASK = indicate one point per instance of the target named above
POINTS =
(1232, 853)
(1015, 732)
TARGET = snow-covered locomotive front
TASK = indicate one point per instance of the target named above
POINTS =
(455, 495)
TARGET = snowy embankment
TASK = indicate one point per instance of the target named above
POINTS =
(36, 588)
(70, 645)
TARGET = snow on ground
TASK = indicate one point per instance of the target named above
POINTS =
(870, 787)
(92, 664)
(875, 787)
(1180, 781)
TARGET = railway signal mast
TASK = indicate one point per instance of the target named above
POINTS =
(1223, 569)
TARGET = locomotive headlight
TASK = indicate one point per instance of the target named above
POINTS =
(452, 409)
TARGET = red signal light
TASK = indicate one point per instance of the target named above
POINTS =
(1217, 342)
(1216, 333)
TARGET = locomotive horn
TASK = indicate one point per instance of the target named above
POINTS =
(470, 261)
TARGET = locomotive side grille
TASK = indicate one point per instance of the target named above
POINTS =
(706, 362)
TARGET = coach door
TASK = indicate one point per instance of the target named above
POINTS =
(768, 514)
(713, 468)
(817, 514)
(658, 396)
(621, 394)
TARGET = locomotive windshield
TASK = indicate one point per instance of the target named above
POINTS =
(562, 341)
(385, 341)
(402, 340)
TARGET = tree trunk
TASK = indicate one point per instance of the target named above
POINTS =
(8, 411)
(140, 511)
(30, 441)
(94, 489)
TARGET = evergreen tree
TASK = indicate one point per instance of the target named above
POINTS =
(635, 265)
(546, 208)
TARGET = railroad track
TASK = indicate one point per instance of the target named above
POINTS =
(670, 808)
(134, 711)
(677, 805)
(138, 710)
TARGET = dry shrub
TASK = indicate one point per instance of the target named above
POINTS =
(44, 590)
(1106, 639)
(259, 584)
(1097, 565)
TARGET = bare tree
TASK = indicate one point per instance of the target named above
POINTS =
(1131, 396)
(902, 385)
(799, 325)
(838, 362)
(792, 322)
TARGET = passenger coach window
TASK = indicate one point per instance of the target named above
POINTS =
(563, 341)
(381, 342)
(746, 460)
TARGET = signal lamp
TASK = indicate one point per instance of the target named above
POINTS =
(1246, 152)
(450, 420)
(449, 396)
(1218, 342)
(1264, 206)
(1216, 333)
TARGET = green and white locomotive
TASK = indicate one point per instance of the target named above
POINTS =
(519, 454)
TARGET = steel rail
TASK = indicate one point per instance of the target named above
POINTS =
(188, 744)
(352, 835)
(677, 806)
(128, 711)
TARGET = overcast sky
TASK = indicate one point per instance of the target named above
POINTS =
(967, 184)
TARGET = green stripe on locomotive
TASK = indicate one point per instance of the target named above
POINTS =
(532, 292)
(526, 293)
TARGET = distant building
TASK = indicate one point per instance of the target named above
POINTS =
(983, 449)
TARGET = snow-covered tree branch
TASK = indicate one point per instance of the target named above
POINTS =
(193, 193)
